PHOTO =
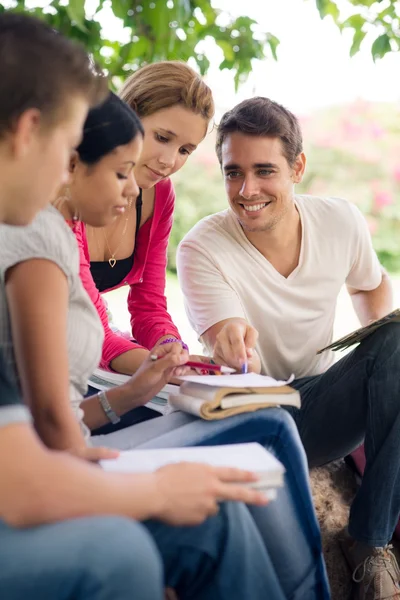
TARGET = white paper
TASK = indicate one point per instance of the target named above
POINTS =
(240, 381)
(251, 457)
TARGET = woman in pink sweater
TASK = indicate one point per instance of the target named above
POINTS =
(175, 107)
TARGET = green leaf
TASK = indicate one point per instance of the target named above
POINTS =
(355, 21)
(381, 46)
(273, 44)
(328, 7)
(357, 39)
(76, 12)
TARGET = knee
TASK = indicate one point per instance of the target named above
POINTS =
(285, 426)
(122, 551)
(386, 339)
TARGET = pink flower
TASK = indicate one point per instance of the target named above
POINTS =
(396, 173)
(377, 131)
(382, 199)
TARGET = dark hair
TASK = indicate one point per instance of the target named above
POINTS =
(109, 125)
(262, 117)
(40, 68)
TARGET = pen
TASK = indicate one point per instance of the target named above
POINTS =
(201, 365)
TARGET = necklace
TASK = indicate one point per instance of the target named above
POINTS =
(112, 261)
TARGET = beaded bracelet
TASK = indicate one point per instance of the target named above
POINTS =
(172, 340)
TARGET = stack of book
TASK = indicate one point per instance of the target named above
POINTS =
(212, 397)
(217, 397)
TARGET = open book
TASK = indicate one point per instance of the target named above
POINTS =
(105, 380)
(216, 397)
(252, 457)
(359, 334)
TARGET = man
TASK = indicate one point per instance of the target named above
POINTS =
(261, 281)
(68, 530)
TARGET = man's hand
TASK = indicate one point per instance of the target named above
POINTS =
(93, 455)
(235, 344)
(189, 493)
(152, 375)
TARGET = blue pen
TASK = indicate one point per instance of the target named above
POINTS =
(244, 368)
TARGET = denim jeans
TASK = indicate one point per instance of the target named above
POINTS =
(288, 526)
(110, 558)
(357, 398)
(97, 558)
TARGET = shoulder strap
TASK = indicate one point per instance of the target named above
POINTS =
(139, 203)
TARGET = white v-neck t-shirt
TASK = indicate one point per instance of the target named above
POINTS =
(222, 276)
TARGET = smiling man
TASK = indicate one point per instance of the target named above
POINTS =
(261, 281)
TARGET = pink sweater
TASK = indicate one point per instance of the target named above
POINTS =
(147, 303)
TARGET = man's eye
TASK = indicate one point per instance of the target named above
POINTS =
(121, 176)
(264, 172)
(232, 174)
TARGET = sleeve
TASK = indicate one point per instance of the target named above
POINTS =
(11, 408)
(47, 237)
(114, 345)
(208, 296)
(366, 272)
(147, 303)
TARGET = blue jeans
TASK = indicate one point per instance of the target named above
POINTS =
(357, 398)
(110, 558)
(98, 558)
(288, 526)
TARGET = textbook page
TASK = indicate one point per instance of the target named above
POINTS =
(252, 380)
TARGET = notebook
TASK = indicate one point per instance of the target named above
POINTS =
(252, 457)
(360, 334)
(217, 397)
(105, 380)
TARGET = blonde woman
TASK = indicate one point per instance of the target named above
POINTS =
(175, 107)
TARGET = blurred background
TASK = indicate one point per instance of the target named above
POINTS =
(334, 63)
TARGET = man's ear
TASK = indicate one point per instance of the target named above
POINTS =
(299, 168)
(24, 132)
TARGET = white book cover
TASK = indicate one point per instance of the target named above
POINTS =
(251, 457)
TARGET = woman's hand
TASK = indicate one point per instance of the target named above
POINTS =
(235, 346)
(152, 375)
(190, 492)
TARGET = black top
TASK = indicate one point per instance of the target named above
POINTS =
(8, 392)
(104, 275)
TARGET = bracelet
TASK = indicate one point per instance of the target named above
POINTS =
(172, 340)
(105, 405)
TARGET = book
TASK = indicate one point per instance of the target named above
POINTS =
(105, 380)
(360, 334)
(217, 397)
(251, 457)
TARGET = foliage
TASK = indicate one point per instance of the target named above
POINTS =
(380, 16)
(352, 151)
(158, 30)
(155, 30)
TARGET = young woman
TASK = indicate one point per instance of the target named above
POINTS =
(175, 107)
(60, 537)
(40, 268)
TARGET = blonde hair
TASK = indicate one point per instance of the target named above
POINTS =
(164, 84)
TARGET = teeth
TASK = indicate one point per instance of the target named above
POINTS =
(254, 207)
